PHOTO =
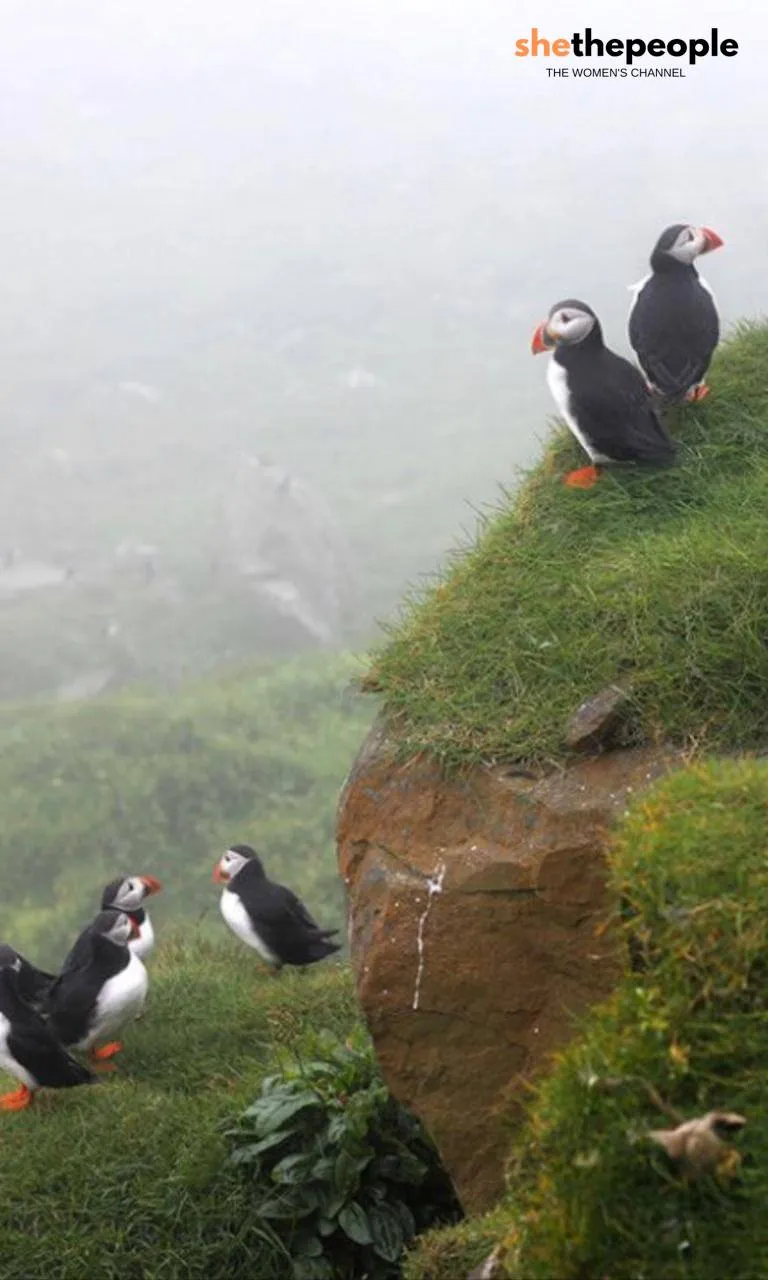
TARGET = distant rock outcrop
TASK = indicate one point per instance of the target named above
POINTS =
(477, 909)
(284, 542)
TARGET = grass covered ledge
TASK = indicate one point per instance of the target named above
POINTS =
(658, 580)
(590, 1196)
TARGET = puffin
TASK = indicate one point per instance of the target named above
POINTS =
(266, 915)
(673, 322)
(601, 396)
(33, 983)
(28, 1050)
(127, 894)
(100, 990)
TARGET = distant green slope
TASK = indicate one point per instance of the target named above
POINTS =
(127, 1180)
(659, 580)
(161, 784)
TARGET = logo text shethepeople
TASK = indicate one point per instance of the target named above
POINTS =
(585, 45)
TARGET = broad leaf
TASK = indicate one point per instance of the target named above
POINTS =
(271, 1115)
(403, 1168)
(307, 1244)
(407, 1219)
(292, 1169)
(296, 1202)
(386, 1232)
(312, 1269)
(243, 1155)
(354, 1223)
(346, 1172)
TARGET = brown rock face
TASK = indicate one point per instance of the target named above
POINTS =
(476, 907)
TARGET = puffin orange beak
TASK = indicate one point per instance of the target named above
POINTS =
(542, 340)
(151, 884)
(711, 239)
(219, 876)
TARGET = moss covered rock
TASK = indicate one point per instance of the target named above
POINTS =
(591, 1195)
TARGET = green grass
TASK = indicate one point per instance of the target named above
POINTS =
(127, 1180)
(588, 1195)
(657, 579)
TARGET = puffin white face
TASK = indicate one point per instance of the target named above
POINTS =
(692, 241)
(133, 890)
(121, 930)
(228, 866)
(567, 325)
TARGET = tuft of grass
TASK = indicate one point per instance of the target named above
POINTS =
(129, 1178)
(589, 1195)
(658, 580)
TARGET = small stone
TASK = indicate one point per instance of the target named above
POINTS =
(595, 722)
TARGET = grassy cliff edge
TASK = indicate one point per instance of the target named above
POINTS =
(658, 580)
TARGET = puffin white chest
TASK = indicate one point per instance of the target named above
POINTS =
(241, 924)
(8, 1062)
(120, 999)
(557, 381)
(145, 942)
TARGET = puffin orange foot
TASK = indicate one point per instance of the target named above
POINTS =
(584, 478)
(100, 1057)
(697, 393)
(16, 1101)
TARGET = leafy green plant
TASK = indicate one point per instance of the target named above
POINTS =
(346, 1175)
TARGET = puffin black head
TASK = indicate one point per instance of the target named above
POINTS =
(127, 893)
(233, 861)
(568, 324)
(681, 244)
(116, 926)
(9, 959)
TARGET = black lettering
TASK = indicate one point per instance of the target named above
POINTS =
(590, 44)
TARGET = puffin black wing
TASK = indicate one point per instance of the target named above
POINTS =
(72, 997)
(302, 915)
(674, 329)
(33, 984)
(31, 1043)
(618, 413)
(80, 952)
(283, 922)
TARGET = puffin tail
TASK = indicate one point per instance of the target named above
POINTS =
(76, 1074)
(321, 948)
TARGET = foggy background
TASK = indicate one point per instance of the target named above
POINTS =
(268, 276)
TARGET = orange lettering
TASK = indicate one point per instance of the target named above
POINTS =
(538, 42)
(561, 48)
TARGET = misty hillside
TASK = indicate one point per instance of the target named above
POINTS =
(318, 239)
